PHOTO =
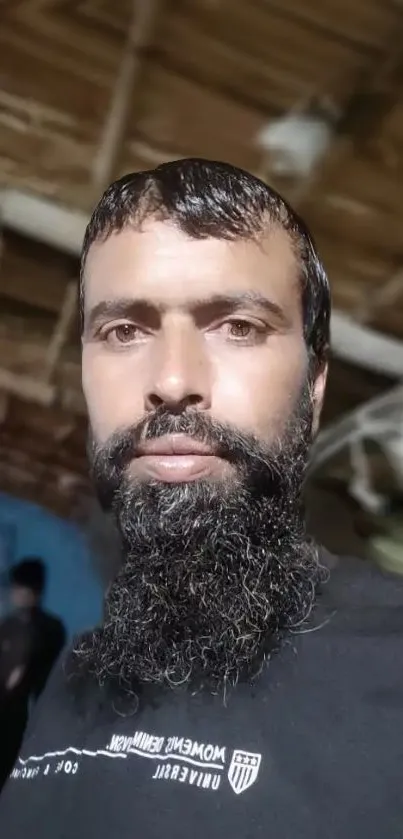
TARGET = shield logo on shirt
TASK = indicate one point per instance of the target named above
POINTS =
(243, 770)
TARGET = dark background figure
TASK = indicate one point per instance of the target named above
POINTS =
(30, 642)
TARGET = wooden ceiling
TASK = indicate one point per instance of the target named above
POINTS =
(90, 90)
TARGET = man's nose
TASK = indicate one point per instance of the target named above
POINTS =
(180, 371)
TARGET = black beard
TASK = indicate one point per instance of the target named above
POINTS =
(214, 572)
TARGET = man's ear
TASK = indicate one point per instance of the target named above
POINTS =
(318, 395)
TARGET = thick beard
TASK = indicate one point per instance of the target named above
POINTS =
(214, 573)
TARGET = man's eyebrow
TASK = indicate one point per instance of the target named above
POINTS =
(239, 300)
(123, 307)
(120, 307)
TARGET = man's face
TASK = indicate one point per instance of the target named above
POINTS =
(201, 408)
(210, 325)
(23, 598)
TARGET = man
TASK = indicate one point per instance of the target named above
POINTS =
(233, 689)
(30, 642)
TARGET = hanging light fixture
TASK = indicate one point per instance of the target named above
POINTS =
(297, 141)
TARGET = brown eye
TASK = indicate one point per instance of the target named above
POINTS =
(240, 329)
(123, 333)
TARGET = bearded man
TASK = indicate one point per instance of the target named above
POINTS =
(236, 688)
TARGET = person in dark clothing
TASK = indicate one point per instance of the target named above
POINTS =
(241, 684)
(30, 642)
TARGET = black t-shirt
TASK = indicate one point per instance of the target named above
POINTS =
(313, 749)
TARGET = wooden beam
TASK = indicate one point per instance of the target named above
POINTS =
(151, 154)
(62, 330)
(27, 387)
(386, 296)
(4, 405)
(144, 12)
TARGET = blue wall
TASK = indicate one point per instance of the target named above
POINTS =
(73, 591)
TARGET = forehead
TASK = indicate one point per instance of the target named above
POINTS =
(160, 264)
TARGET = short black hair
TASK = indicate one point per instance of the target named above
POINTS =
(205, 199)
(29, 573)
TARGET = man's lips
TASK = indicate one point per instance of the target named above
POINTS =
(176, 458)
(173, 445)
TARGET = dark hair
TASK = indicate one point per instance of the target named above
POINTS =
(29, 573)
(209, 199)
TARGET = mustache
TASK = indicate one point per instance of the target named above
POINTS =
(227, 442)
